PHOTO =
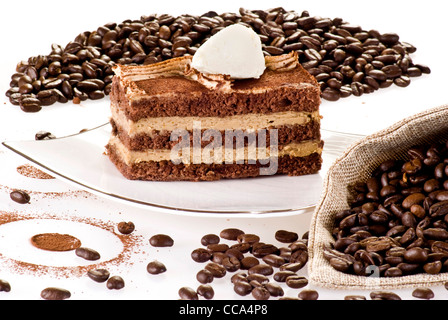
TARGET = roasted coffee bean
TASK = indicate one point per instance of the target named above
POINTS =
(384, 295)
(261, 293)
(217, 270)
(273, 260)
(210, 239)
(423, 293)
(201, 255)
(98, 275)
(204, 276)
(205, 291)
(5, 286)
(285, 236)
(126, 227)
(248, 238)
(231, 264)
(260, 249)
(274, 289)
(218, 247)
(161, 240)
(20, 196)
(308, 294)
(115, 283)
(242, 288)
(187, 293)
(87, 253)
(155, 267)
(231, 233)
(53, 293)
(249, 262)
(261, 268)
(296, 281)
(280, 276)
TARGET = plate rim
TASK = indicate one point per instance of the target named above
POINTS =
(143, 204)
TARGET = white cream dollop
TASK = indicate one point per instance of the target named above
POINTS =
(234, 51)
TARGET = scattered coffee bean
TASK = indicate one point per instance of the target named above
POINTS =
(161, 240)
(296, 282)
(204, 276)
(423, 293)
(286, 236)
(115, 283)
(187, 293)
(231, 233)
(261, 293)
(87, 253)
(44, 135)
(126, 227)
(53, 293)
(384, 295)
(201, 255)
(242, 288)
(210, 239)
(155, 267)
(308, 294)
(206, 291)
(20, 196)
(5, 286)
(98, 275)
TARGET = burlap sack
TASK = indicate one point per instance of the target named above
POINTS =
(356, 164)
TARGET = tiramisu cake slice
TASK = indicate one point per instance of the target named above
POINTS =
(181, 120)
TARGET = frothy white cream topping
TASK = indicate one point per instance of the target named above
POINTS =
(234, 51)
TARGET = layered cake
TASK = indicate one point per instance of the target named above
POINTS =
(171, 121)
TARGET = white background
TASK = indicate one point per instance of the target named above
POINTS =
(29, 28)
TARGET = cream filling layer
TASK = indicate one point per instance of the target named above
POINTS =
(251, 122)
(207, 155)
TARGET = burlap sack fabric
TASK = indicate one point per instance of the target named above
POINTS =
(356, 164)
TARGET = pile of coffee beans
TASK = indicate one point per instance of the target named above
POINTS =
(345, 59)
(398, 222)
(252, 264)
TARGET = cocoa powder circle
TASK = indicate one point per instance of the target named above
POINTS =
(55, 242)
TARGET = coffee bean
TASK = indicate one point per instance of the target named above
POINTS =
(231, 233)
(5, 286)
(423, 293)
(155, 267)
(384, 295)
(261, 268)
(204, 276)
(242, 288)
(201, 255)
(249, 262)
(217, 270)
(308, 294)
(87, 253)
(354, 297)
(187, 293)
(274, 289)
(261, 293)
(53, 293)
(210, 239)
(161, 240)
(98, 275)
(296, 281)
(115, 283)
(126, 227)
(205, 291)
(20, 196)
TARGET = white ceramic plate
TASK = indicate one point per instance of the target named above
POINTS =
(80, 159)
